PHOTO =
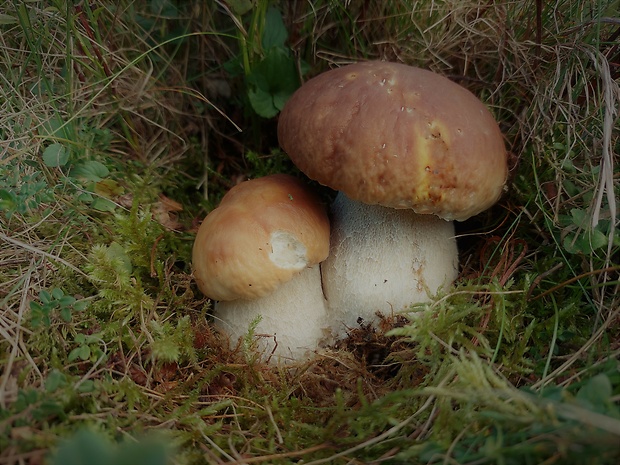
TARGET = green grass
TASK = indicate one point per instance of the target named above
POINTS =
(122, 125)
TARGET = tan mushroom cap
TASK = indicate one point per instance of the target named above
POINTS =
(263, 233)
(398, 136)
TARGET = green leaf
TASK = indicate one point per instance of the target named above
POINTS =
(45, 297)
(25, 398)
(55, 380)
(598, 240)
(274, 34)
(279, 71)
(87, 386)
(94, 338)
(65, 314)
(570, 187)
(84, 447)
(164, 8)
(103, 205)
(262, 103)
(280, 98)
(82, 352)
(80, 305)
(7, 19)
(66, 301)
(272, 82)
(56, 128)
(234, 66)
(108, 188)
(586, 242)
(579, 217)
(90, 170)
(596, 389)
(85, 197)
(596, 393)
(239, 7)
(36, 314)
(57, 293)
(48, 408)
(55, 155)
(8, 200)
(39, 315)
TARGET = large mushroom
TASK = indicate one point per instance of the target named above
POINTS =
(409, 151)
(257, 256)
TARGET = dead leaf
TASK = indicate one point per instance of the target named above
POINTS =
(164, 212)
(109, 188)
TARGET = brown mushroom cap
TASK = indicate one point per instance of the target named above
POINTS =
(398, 136)
(263, 233)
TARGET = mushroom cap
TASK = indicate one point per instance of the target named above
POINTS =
(398, 136)
(263, 233)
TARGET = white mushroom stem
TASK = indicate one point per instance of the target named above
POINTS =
(293, 318)
(383, 260)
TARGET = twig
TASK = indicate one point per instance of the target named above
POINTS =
(571, 280)
(273, 422)
(542, 276)
(269, 458)
(154, 255)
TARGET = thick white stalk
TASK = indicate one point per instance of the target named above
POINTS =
(293, 318)
(383, 260)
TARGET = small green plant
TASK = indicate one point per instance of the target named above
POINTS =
(53, 302)
(580, 236)
(40, 405)
(85, 177)
(96, 188)
(88, 348)
(22, 192)
(268, 64)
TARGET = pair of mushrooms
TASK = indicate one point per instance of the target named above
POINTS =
(408, 151)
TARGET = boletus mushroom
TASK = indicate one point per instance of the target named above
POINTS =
(257, 255)
(409, 151)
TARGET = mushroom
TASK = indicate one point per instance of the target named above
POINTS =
(257, 256)
(409, 151)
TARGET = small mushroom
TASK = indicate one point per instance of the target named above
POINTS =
(409, 151)
(257, 254)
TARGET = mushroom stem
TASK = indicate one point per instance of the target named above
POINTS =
(293, 318)
(383, 260)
